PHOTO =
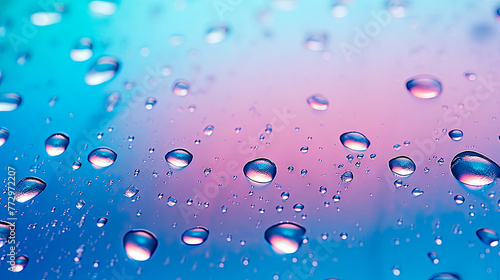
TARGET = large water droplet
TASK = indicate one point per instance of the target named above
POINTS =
(103, 7)
(285, 237)
(20, 263)
(195, 236)
(474, 169)
(180, 88)
(456, 134)
(260, 170)
(9, 101)
(45, 18)
(209, 130)
(102, 222)
(5, 229)
(424, 87)
(28, 188)
(56, 144)
(488, 236)
(402, 166)
(82, 50)
(103, 70)
(4, 135)
(102, 157)
(355, 141)
(216, 34)
(140, 244)
(445, 276)
(316, 42)
(178, 158)
(318, 102)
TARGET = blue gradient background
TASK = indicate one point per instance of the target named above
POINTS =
(260, 74)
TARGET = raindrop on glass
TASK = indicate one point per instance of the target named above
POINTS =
(140, 244)
(355, 141)
(424, 87)
(103, 70)
(285, 237)
(56, 144)
(402, 166)
(28, 188)
(102, 157)
(195, 236)
(179, 158)
(260, 170)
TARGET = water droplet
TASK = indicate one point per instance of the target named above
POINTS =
(316, 42)
(45, 18)
(416, 192)
(209, 130)
(279, 208)
(80, 204)
(140, 244)
(20, 263)
(76, 165)
(402, 166)
(102, 157)
(285, 196)
(103, 70)
(488, 236)
(195, 236)
(56, 144)
(5, 229)
(82, 50)
(102, 222)
(322, 190)
(4, 135)
(470, 76)
(28, 188)
(103, 7)
(355, 141)
(424, 87)
(343, 236)
(150, 103)
(318, 102)
(298, 207)
(260, 170)
(445, 276)
(216, 34)
(171, 201)
(131, 191)
(285, 237)
(304, 150)
(438, 240)
(180, 88)
(456, 134)
(9, 101)
(347, 177)
(474, 169)
(459, 199)
(433, 257)
(336, 198)
(178, 158)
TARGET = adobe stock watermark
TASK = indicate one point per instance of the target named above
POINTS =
(222, 179)
(452, 118)
(11, 200)
(28, 30)
(363, 36)
(224, 6)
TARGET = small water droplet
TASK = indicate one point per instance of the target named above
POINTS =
(82, 51)
(416, 192)
(4, 135)
(102, 222)
(150, 103)
(445, 276)
(459, 199)
(216, 34)
(347, 177)
(209, 130)
(456, 134)
(298, 207)
(180, 88)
